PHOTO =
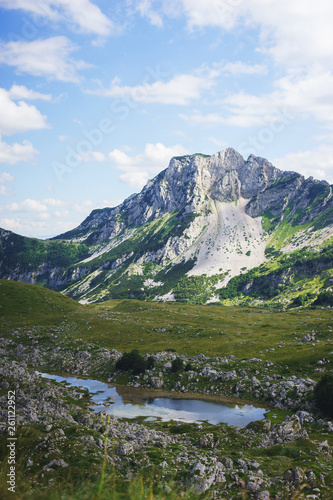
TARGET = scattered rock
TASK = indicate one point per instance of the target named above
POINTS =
(58, 463)
(156, 382)
(124, 449)
(295, 476)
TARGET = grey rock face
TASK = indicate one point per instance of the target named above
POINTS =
(225, 176)
(191, 187)
(202, 477)
(295, 476)
(156, 382)
(254, 483)
(207, 441)
(263, 495)
(288, 431)
(124, 449)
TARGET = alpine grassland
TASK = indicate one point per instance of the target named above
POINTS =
(231, 355)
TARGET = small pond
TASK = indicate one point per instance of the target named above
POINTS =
(128, 402)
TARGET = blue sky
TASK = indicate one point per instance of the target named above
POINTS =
(96, 96)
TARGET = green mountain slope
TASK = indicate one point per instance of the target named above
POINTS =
(208, 228)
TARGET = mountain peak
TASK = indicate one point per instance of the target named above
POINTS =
(184, 186)
(213, 216)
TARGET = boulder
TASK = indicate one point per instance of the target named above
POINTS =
(124, 449)
(295, 476)
(208, 441)
(156, 382)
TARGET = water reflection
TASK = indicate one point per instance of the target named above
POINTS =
(127, 402)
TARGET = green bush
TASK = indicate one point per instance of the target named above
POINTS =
(132, 361)
(188, 367)
(324, 299)
(150, 363)
(177, 365)
(301, 300)
(323, 393)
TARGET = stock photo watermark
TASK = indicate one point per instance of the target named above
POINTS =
(11, 445)
(30, 27)
(266, 135)
(121, 108)
(225, 7)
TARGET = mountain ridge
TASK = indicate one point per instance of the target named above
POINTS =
(203, 220)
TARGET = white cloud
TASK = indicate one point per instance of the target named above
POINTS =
(220, 13)
(85, 15)
(114, 202)
(181, 90)
(42, 218)
(197, 118)
(28, 205)
(317, 163)
(15, 153)
(21, 92)
(93, 156)
(84, 207)
(239, 68)
(24, 226)
(49, 58)
(218, 142)
(146, 10)
(293, 32)
(4, 179)
(18, 117)
(139, 168)
(306, 94)
(309, 94)
(53, 202)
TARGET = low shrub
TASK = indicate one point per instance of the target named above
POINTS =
(132, 361)
(177, 364)
(323, 393)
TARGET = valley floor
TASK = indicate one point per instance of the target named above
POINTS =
(286, 455)
(66, 450)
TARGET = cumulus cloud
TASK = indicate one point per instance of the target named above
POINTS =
(83, 14)
(145, 8)
(309, 94)
(27, 205)
(289, 30)
(24, 226)
(49, 58)
(38, 217)
(21, 92)
(4, 179)
(239, 68)
(139, 168)
(317, 162)
(15, 153)
(181, 90)
(20, 116)
(218, 142)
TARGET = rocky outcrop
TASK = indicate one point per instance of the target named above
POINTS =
(203, 213)
(183, 186)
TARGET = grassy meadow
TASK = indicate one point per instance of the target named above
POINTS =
(212, 330)
(29, 313)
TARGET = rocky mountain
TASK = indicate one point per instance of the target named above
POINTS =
(207, 228)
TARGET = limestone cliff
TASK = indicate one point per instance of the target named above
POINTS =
(216, 216)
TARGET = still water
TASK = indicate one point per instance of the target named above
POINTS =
(127, 402)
